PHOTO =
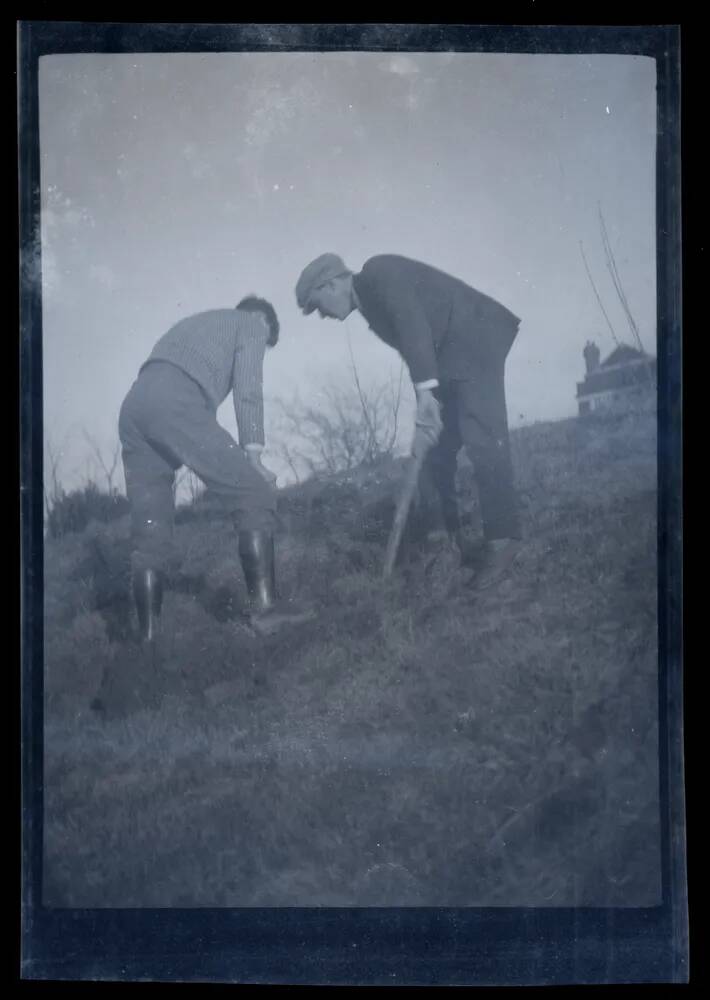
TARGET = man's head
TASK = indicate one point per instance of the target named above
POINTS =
(326, 285)
(253, 304)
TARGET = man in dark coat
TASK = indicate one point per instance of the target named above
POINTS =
(169, 419)
(454, 341)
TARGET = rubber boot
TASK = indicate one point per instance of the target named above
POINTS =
(148, 597)
(267, 612)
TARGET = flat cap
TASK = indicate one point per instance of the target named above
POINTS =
(320, 270)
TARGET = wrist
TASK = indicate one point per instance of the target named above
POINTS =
(420, 388)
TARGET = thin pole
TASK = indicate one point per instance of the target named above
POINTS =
(601, 306)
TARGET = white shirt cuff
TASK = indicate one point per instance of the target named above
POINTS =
(431, 383)
(254, 447)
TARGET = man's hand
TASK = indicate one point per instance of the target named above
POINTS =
(428, 422)
(255, 459)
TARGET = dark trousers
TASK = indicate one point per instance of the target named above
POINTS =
(475, 417)
(166, 421)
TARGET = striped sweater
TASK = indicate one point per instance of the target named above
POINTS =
(223, 350)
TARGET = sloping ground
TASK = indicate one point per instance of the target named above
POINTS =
(417, 745)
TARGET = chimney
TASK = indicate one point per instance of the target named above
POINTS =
(591, 356)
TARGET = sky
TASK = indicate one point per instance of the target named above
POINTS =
(173, 183)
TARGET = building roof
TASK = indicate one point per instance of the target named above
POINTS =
(618, 376)
(623, 354)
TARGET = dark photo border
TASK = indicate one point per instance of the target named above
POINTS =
(351, 946)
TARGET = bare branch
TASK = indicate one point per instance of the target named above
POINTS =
(613, 271)
(356, 376)
(347, 428)
(55, 491)
(107, 467)
(601, 305)
(194, 485)
(285, 452)
(178, 482)
(115, 458)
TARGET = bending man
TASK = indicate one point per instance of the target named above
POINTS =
(169, 419)
(454, 341)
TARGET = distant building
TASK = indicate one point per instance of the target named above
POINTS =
(626, 380)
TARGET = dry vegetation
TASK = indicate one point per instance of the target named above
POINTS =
(417, 745)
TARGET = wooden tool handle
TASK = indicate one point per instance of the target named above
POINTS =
(401, 513)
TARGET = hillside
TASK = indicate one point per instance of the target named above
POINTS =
(417, 745)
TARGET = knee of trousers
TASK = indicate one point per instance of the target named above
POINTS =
(490, 457)
(256, 518)
(253, 502)
(152, 544)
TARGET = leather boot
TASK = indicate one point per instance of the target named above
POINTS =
(148, 597)
(268, 612)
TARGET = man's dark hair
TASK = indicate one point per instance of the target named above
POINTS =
(251, 303)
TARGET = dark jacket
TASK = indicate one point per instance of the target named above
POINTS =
(441, 326)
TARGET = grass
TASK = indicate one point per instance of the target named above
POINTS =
(416, 745)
